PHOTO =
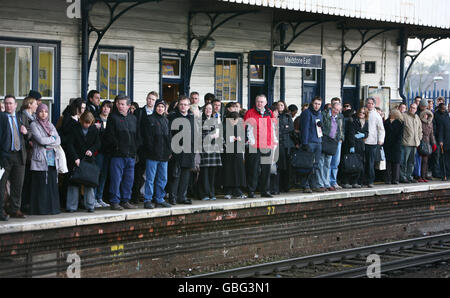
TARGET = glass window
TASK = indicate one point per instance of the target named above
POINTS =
(310, 75)
(227, 82)
(113, 74)
(171, 68)
(257, 73)
(15, 70)
(350, 77)
(46, 62)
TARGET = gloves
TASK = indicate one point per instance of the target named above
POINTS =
(305, 147)
(352, 150)
(359, 135)
(434, 147)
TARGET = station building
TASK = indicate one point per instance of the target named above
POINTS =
(63, 48)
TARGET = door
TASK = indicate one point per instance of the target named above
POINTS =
(260, 76)
(173, 70)
(351, 94)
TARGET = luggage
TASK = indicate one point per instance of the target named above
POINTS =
(425, 148)
(351, 163)
(302, 160)
(329, 145)
(86, 174)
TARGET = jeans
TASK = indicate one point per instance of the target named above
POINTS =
(370, 152)
(324, 170)
(121, 179)
(155, 179)
(335, 160)
(407, 163)
(103, 164)
(73, 193)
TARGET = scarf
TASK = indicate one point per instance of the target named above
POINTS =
(44, 123)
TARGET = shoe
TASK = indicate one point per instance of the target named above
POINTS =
(346, 186)
(414, 181)
(127, 205)
(227, 197)
(405, 181)
(213, 199)
(242, 197)
(337, 186)
(102, 203)
(163, 205)
(307, 190)
(4, 217)
(116, 207)
(275, 193)
(17, 214)
(425, 180)
(395, 183)
(370, 185)
(71, 211)
(356, 186)
(149, 205)
(420, 180)
(172, 202)
(331, 188)
(251, 195)
(266, 195)
(97, 205)
(205, 199)
(318, 189)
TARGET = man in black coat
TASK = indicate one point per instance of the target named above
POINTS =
(444, 142)
(122, 139)
(181, 122)
(93, 105)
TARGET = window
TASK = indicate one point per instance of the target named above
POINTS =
(171, 68)
(310, 75)
(15, 70)
(257, 73)
(228, 77)
(350, 77)
(114, 72)
(28, 64)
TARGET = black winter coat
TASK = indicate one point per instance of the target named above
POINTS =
(349, 133)
(183, 159)
(155, 137)
(393, 140)
(122, 137)
(359, 143)
(444, 132)
(78, 144)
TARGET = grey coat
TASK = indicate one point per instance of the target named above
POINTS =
(41, 141)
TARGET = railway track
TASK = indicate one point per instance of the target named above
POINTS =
(350, 263)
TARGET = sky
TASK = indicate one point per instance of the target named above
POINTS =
(440, 48)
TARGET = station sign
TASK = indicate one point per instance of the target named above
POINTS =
(288, 59)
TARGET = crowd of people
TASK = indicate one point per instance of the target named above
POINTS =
(165, 155)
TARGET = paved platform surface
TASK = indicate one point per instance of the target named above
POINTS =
(105, 215)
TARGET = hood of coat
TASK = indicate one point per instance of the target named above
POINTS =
(430, 116)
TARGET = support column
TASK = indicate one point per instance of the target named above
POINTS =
(84, 48)
(282, 69)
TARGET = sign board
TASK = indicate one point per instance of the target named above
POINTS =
(287, 59)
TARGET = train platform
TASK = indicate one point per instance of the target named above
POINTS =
(107, 216)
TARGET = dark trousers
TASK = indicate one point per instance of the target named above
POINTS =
(207, 180)
(253, 162)
(370, 152)
(445, 164)
(14, 172)
(179, 185)
(392, 172)
(435, 163)
(424, 166)
(139, 181)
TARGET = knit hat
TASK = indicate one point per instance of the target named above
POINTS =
(423, 102)
(160, 102)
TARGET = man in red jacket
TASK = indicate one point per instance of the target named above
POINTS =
(261, 139)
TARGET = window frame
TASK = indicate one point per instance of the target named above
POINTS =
(36, 44)
(130, 67)
(231, 56)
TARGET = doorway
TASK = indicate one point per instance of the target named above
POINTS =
(350, 92)
(260, 76)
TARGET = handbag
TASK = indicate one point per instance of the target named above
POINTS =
(86, 174)
(329, 145)
(379, 154)
(61, 162)
(425, 148)
(301, 159)
(351, 163)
